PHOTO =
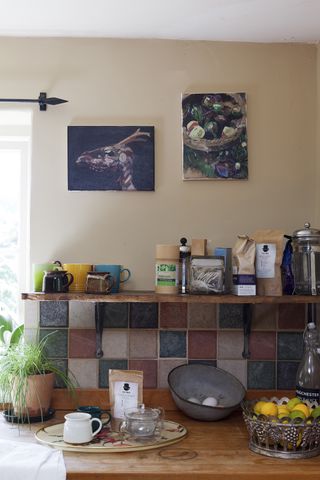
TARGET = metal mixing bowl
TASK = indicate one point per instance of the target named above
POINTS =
(201, 381)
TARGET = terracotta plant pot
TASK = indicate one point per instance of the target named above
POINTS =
(35, 399)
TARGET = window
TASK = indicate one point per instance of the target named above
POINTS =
(15, 140)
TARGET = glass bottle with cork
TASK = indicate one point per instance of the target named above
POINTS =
(308, 374)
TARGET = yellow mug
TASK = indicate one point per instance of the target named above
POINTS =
(79, 272)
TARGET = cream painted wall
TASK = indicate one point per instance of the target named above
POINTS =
(112, 82)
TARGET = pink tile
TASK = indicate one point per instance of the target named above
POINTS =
(82, 343)
(292, 316)
(173, 315)
(149, 368)
(262, 346)
(202, 344)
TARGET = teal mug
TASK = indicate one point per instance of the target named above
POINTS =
(119, 274)
(95, 412)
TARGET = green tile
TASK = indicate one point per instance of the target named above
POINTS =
(261, 375)
(105, 366)
(231, 316)
(290, 345)
(57, 343)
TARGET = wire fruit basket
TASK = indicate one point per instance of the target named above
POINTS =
(282, 438)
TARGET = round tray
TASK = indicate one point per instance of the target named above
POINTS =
(282, 439)
(10, 417)
(109, 441)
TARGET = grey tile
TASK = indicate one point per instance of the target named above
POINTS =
(213, 363)
(63, 366)
(237, 368)
(53, 314)
(143, 315)
(231, 316)
(286, 375)
(105, 366)
(290, 345)
(115, 315)
(261, 375)
(172, 344)
(57, 343)
(81, 314)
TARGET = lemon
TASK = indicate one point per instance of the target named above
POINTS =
(302, 408)
(315, 412)
(291, 404)
(269, 408)
(282, 409)
(257, 406)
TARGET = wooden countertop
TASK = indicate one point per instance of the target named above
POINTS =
(152, 297)
(212, 450)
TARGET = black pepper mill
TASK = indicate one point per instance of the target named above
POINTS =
(184, 259)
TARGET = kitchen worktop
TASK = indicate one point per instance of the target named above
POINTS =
(211, 450)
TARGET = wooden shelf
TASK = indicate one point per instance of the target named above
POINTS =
(152, 297)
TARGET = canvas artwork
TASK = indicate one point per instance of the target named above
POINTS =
(214, 127)
(111, 158)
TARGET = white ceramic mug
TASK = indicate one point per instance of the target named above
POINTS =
(77, 428)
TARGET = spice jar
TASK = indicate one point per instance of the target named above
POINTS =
(167, 269)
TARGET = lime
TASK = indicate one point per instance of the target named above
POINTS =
(297, 414)
(292, 402)
(315, 412)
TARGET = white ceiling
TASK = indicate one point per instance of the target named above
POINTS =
(218, 20)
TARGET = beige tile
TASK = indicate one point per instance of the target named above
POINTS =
(31, 314)
(165, 366)
(115, 343)
(81, 314)
(202, 316)
(85, 371)
(237, 368)
(31, 335)
(264, 317)
(230, 345)
(143, 344)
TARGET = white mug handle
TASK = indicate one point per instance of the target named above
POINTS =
(94, 433)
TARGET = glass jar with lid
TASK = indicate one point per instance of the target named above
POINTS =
(306, 260)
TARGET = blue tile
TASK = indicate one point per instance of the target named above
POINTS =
(290, 345)
(231, 316)
(54, 314)
(57, 343)
(172, 344)
(261, 375)
(144, 315)
(286, 375)
(105, 366)
(115, 315)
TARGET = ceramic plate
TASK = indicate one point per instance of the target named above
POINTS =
(109, 441)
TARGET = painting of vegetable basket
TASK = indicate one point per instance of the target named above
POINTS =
(214, 127)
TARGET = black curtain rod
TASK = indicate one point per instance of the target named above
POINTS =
(42, 100)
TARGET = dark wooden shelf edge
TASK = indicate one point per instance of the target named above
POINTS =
(152, 297)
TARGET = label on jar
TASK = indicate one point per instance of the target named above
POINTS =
(125, 396)
(308, 393)
(167, 274)
(265, 260)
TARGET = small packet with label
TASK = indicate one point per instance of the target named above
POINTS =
(125, 391)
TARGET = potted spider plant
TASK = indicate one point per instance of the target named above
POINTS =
(27, 379)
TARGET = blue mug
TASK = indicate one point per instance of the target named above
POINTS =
(119, 274)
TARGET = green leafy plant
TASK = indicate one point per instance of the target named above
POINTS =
(22, 361)
(10, 334)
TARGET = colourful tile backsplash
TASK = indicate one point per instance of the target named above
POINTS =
(158, 337)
